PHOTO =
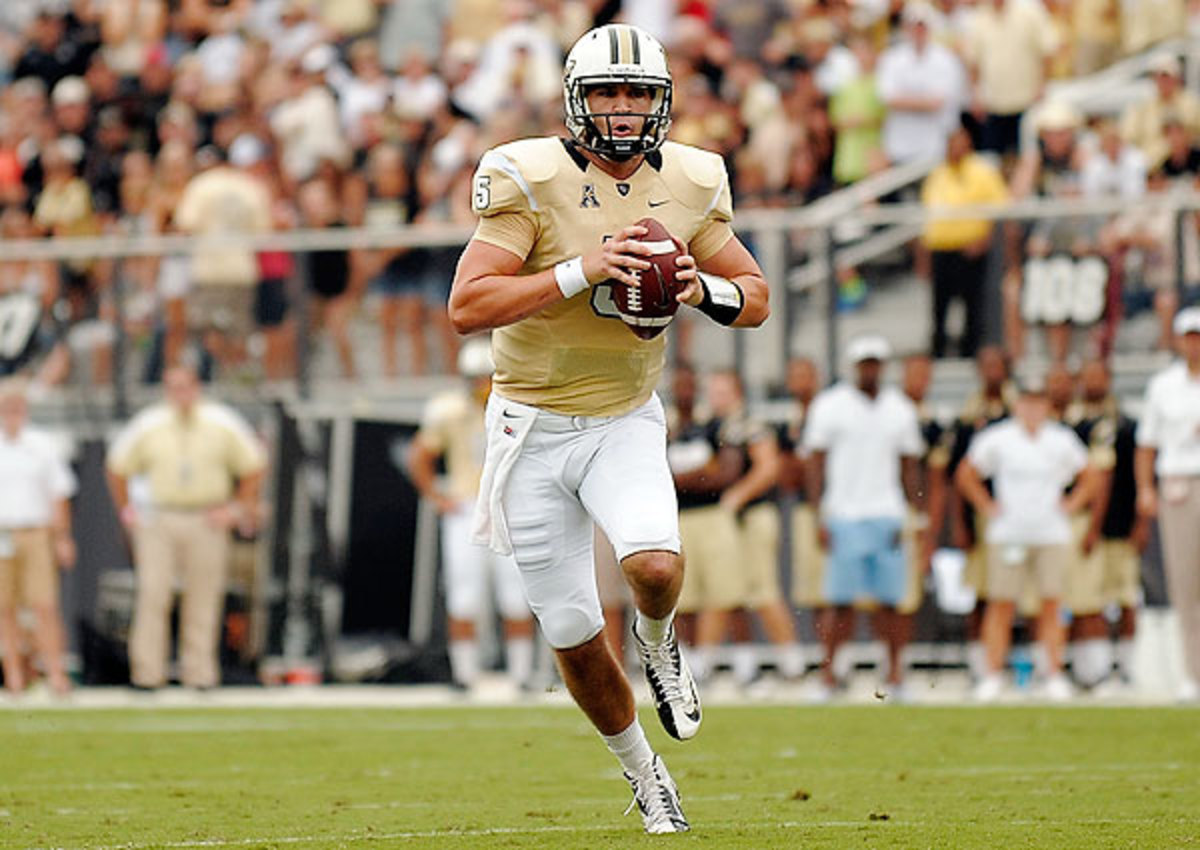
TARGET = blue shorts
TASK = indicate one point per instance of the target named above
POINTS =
(866, 561)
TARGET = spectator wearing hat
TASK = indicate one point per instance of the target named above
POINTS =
(1144, 122)
(1052, 169)
(71, 100)
(1032, 460)
(306, 124)
(923, 85)
(959, 247)
(35, 538)
(990, 403)
(863, 441)
(1009, 47)
(452, 428)
(1167, 466)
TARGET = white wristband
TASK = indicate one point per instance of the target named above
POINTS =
(570, 277)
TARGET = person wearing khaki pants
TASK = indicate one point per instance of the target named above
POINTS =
(35, 539)
(203, 465)
(186, 547)
(1031, 460)
(1168, 439)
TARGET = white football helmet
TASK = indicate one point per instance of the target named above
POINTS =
(617, 53)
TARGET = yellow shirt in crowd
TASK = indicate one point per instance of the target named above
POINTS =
(973, 180)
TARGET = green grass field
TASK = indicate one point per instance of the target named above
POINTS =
(756, 777)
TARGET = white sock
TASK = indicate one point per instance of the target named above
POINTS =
(1125, 657)
(1092, 661)
(464, 661)
(745, 662)
(700, 660)
(790, 660)
(631, 748)
(652, 631)
(518, 657)
(842, 663)
(977, 664)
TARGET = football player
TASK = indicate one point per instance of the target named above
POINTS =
(576, 433)
(452, 429)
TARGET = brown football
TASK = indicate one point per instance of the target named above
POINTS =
(648, 309)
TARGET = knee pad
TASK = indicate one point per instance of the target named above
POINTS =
(570, 624)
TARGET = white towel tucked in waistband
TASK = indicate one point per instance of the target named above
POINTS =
(507, 430)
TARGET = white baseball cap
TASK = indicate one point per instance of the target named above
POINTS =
(1187, 321)
(868, 347)
(318, 59)
(70, 91)
(1165, 63)
(246, 150)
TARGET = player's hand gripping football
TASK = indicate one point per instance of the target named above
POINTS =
(692, 293)
(618, 257)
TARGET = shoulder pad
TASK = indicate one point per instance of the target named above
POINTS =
(700, 177)
(508, 176)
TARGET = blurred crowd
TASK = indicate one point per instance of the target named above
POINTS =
(1031, 505)
(209, 116)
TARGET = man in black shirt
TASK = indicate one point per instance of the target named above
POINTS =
(725, 475)
(52, 52)
(924, 526)
(992, 402)
(808, 561)
(1115, 536)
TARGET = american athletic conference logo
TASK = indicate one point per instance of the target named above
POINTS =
(589, 199)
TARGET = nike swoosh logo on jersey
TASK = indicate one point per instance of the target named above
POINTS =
(653, 204)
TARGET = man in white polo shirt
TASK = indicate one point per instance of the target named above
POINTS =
(35, 538)
(863, 441)
(1031, 461)
(1168, 439)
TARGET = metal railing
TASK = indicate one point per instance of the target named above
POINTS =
(812, 232)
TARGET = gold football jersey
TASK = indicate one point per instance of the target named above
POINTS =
(544, 201)
(452, 426)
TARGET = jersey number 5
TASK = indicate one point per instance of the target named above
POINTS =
(482, 198)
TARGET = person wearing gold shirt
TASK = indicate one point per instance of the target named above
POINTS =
(576, 434)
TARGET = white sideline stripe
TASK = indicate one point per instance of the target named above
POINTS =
(1143, 769)
(701, 827)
